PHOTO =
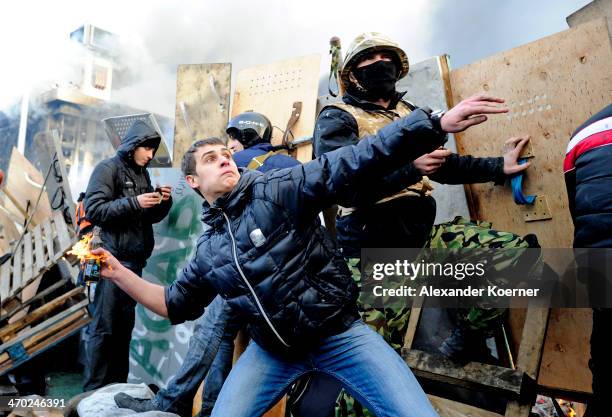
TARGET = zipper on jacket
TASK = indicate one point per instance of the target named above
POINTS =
(261, 309)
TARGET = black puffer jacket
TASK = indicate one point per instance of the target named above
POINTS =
(267, 254)
(110, 200)
(588, 176)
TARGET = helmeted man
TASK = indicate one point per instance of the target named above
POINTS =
(267, 255)
(370, 70)
(404, 216)
(121, 200)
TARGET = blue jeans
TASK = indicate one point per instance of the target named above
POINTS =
(359, 358)
(214, 331)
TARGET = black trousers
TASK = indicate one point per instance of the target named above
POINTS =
(601, 363)
(110, 332)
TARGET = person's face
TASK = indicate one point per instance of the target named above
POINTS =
(373, 57)
(216, 172)
(143, 155)
(235, 145)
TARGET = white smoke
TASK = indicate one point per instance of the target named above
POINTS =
(157, 36)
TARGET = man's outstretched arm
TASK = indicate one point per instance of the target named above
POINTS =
(150, 295)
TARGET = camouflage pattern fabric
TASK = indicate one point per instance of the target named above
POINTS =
(465, 233)
(391, 323)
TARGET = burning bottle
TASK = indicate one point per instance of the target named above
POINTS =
(91, 264)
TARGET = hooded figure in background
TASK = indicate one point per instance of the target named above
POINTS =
(121, 200)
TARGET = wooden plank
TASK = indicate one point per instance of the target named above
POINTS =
(28, 260)
(39, 249)
(413, 322)
(5, 280)
(448, 408)
(9, 331)
(17, 269)
(551, 87)
(8, 231)
(24, 183)
(272, 89)
(37, 297)
(40, 327)
(63, 235)
(48, 232)
(202, 105)
(473, 375)
(565, 358)
(36, 343)
(532, 342)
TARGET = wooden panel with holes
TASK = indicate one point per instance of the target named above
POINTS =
(551, 87)
(272, 89)
(202, 105)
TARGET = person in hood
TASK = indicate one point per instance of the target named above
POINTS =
(121, 200)
(268, 256)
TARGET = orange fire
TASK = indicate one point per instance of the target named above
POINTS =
(81, 250)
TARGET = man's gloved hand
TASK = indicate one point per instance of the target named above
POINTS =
(511, 151)
(470, 112)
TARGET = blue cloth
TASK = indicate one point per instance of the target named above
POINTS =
(214, 332)
(359, 358)
(278, 161)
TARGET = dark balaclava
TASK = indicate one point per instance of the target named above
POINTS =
(376, 81)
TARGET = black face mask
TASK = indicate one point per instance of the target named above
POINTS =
(378, 80)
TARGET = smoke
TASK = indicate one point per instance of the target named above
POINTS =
(156, 36)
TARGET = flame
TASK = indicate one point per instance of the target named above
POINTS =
(81, 250)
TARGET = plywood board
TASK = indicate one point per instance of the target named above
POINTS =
(594, 10)
(24, 183)
(202, 105)
(551, 87)
(272, 89)
(566, 351)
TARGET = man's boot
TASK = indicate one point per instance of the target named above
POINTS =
(140, 405)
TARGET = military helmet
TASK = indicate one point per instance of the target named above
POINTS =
(365, 43)
(250, 128)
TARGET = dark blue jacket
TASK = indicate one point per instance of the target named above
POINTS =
(277, 161)
(267, 254)
(588, 177)
(110, 200)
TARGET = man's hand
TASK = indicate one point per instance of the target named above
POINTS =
(148, 200)
(431, 162)
(166, 190)
(470, 112)
(511, 151)
(110, 267)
